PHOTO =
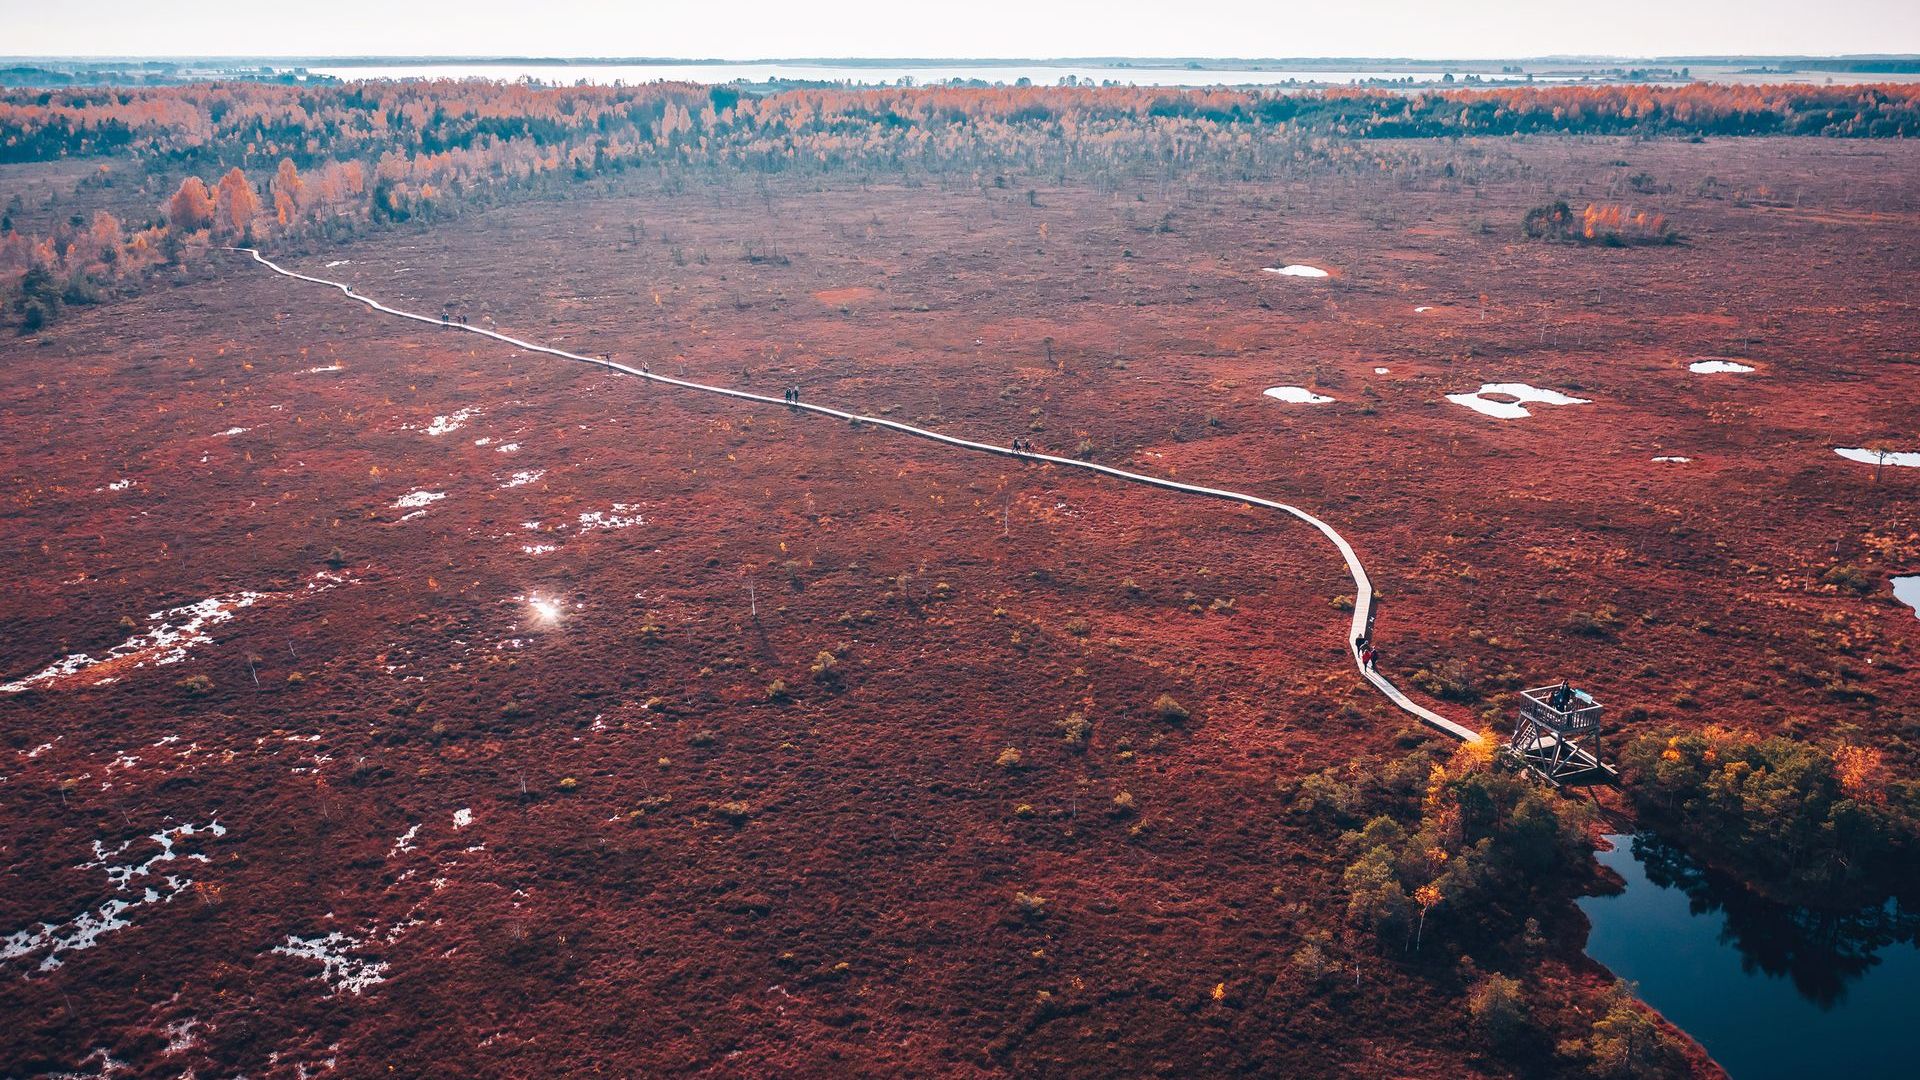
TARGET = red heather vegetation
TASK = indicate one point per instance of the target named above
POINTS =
(258, 163)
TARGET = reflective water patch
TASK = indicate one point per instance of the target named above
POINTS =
(1512, 410)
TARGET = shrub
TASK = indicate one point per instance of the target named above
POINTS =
(196, 685)
(1029, 906)
(1850, 578)
(1310, 962)
(1625, 1044)
(824, 665)
(1449, 681)
(1484, 841)
(1497, 1008)
(1166, 708)
(1009, 759)
(1790, 817)
(1075, 729)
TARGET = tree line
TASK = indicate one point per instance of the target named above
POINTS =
(263, 162)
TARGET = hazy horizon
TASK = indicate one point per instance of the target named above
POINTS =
(992, 29)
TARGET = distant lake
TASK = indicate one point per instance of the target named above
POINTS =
(1770, 990)
(1039, 74)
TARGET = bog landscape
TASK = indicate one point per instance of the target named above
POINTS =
(513, 579)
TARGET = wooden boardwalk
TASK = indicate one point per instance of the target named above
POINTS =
(1362, 585)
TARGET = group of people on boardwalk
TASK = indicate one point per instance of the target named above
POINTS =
(453, 320)
(1364, 646)
(792, 394)
(1022, 445)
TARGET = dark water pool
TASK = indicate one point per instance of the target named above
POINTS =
(1770, 990)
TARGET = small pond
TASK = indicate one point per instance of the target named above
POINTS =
(1907, 591)
(1769, 989)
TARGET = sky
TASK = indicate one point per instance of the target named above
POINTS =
(754, 29)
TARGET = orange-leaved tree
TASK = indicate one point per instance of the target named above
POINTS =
(235, 205)
(191, 208)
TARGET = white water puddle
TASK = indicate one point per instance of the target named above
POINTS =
(1296, 395)
(414, 499)
(1671, 460)
(404, 842)
(1907, 591)
(231, 431)
(462, 818)
(524, 476)
(339, 968)
(442, 425)
(1718, 367)
(325, 368)
(1881, 457)
(84, 930)
(177, 630)
(1295, 270)
(180, 1036)
(621, 516)
(1480, 400)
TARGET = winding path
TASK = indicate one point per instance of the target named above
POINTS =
(1362, 585)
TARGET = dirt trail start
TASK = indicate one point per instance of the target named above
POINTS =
(1363, 586)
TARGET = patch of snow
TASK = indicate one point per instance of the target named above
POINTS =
(1295, 270)
(83, 931)
(324, 368)
(404, 842)
(1674, 460)
(1865, 457)
(117, 485)
(179, 630)
(1717, 367)
(180, 1036)
(483, 441)
(338, 968)
(337, 262)
(621, 516)
(539, 549)
(1421, 310)
(232, 431)
(1297, 395)
(418, 498)
(524, 476)
(507, 448)
(453, 421)
(462, 818)
(1512, 410)
(1379, 371)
